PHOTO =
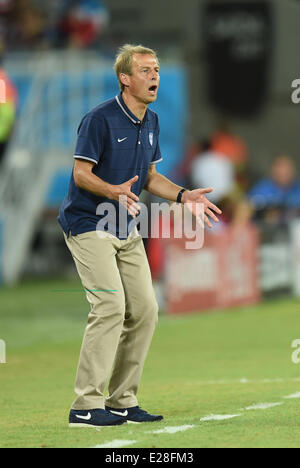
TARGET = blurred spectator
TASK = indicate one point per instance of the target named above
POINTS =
(82, 24)
(228, 145)
(22, 25)
(211, 168)
(232, 147)
(276, 199)
(8, 103)
(32, 24)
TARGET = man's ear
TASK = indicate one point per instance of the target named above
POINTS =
(125, 79)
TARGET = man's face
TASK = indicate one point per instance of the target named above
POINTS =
(144, 81)
(283, 171)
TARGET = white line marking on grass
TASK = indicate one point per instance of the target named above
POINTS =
(294, 395)
(116, 444)
(172, 429)
(219, 417)
(272, 380)
(262, 406)
(242, 380)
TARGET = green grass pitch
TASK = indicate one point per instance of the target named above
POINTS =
(216, 363)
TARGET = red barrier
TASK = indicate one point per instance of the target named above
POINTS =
(221, 274)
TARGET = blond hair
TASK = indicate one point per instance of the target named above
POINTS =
(123, 62)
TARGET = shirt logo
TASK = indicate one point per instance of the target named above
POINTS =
(151, 138)
(121, 139)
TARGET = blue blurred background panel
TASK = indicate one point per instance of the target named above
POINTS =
(23, 84)
(58, 188)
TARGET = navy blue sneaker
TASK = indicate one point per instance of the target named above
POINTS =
(134, 415)
(94, 418)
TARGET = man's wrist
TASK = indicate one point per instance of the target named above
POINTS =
(180, 195)
(109, 191)
(184, 196)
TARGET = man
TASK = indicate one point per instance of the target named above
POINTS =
(116, 155)
(276, 199)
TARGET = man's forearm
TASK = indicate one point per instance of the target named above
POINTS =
(85, 179)
(93, 184)
(162, 187)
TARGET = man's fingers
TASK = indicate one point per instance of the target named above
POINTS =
(212, 215)
(200, 221)
(126, 189)
(133, 208)
(215, 208)
(132, 212)
(207, 221)
(132, 181)
(130, 195)
(135, 205)
(131, 202)
(206, 190)
(126, 201)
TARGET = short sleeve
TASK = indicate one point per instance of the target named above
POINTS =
(157, 157)
(89, 144)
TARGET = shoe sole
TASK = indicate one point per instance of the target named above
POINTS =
(81, 425)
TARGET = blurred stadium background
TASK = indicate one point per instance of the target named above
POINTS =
(227, 120)
(227, 72)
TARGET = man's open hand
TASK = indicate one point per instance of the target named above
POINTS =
(192, 198)
(123, 194)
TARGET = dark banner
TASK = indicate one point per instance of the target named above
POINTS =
(238, 45)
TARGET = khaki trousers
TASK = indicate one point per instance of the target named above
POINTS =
(116, 276)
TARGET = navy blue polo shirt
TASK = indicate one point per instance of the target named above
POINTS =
(121, 146)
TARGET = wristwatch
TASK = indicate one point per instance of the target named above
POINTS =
(179, 196)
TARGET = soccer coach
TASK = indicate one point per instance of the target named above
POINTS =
(116, 154)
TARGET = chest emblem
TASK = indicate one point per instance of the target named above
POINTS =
(151, 138)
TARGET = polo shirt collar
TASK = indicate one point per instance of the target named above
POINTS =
(128, 112)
